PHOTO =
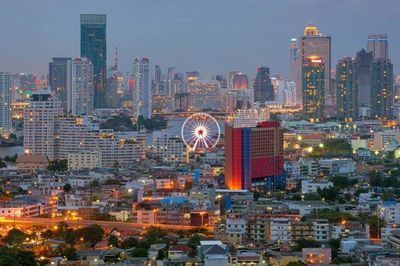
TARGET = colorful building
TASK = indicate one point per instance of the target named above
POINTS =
(254, 156)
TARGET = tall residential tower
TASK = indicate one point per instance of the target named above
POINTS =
(313, 43)
(263, 89)
(141, 90)
(347, 89)
(379, 46)
(94, 47)
(5, 101)
(313, 88)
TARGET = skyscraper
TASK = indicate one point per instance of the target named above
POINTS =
(59, 79)
(5, 101)
(141, 90)
(295, 68)
(382, 89)
(94, 47)
(254, 156)
(157, 80)
(313, 43)
(313, 88)
(39, 123)
(80, 94)
(364, 64)
(263, 89)
(379, 46)
(347, 89)
(240, 81)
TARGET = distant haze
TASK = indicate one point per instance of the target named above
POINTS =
(210, 36)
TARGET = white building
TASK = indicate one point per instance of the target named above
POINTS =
(39, 124)
(280, 229)
(80, 91)
(80, 134)
(389, 211)
(307, 207)
(312, 186)
(384, 138)
(84, 160)
(5, 101)
(170, 149)
(321, 230)
(141, 89)
(337, 166)
(235, 230)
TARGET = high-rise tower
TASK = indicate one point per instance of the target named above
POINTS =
(59, 79)
(313, 88)
(313, 43)
(382, 89)
(80, 94)
(39, 123)
(347, 89)
(379, 46)
(94, 47)
(295, 68)
(364, 62)
(263, 89)
(141, 90)
(5, 101)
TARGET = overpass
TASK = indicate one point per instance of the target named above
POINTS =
(108, 225)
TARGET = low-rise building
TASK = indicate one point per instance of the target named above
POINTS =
(302, 230)
(390, 212)
(312, 186)
(317, 255)
(29, 163)
(280, 230)
(170, 149)
(336, 166)
(321, 230)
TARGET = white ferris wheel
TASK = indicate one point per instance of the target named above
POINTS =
(200, 132)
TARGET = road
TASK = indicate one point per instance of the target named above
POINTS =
(125, 226)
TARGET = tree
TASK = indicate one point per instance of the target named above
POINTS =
(67, 188)
(343, 181)
(329, 194)
(154, 235)
(162, 254)
(2, 164)
(9, 260)
(139, 252)
(17, 257)
(91, 234)
(305, 243)
(130, 242)
(143, 244)
(15, 237)
(70, 253)
(333, 216)
(58, 166)
(47, 234)
(70, 237)
(334, 244)
(194, 241)
(113, 241)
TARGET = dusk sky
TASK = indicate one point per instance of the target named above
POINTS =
(210, 36)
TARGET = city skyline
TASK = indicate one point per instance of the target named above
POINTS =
(190, 27)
